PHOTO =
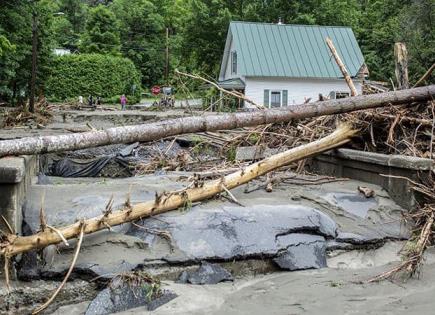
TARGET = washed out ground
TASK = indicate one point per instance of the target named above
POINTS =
(331, 226)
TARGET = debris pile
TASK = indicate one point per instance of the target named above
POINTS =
(21, 116)
(299, 133)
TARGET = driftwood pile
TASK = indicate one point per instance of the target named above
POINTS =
(21, 116)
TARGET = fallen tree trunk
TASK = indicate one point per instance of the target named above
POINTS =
(14, 245)
(158, 130)
(340, 64)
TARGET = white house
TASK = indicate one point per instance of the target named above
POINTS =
(279, 65)
(61, 51)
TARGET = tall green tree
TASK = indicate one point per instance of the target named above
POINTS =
(5, 45)
(417, 30)
(205, 33)
(102, 33)
(75, 11)
(16, 25)
(63, 33)
(70, 23)
(143, 37)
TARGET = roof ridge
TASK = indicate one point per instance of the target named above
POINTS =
(294, 25)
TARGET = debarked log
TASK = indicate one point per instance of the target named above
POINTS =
(167, 128)
(14, 245)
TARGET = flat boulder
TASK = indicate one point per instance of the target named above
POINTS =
(122, 295)
(238, 232)
(206, 274)
(304, 251)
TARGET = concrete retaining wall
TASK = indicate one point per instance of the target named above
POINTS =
(15, 178)
(369, 167)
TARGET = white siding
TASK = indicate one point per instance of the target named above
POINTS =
(228, 74)
(298, 88)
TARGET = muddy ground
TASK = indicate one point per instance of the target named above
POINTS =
(70, 121)
(301, 249)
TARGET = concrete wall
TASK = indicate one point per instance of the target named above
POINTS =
(15, 178)
(298, 88)
(369, 167)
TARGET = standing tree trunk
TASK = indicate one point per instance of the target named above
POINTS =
(34, 57)
(353, 91)
(172, 127)
(401, 60)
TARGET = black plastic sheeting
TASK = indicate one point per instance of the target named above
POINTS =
(73, 167)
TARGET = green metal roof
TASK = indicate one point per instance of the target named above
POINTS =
(273, 50)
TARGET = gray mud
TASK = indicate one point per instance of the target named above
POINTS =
(293, 225)
(292, 228)
(326, 291)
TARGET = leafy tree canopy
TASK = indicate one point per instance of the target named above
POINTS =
(102, 32)
(136, 29)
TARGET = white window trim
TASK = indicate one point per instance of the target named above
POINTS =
(270, 97)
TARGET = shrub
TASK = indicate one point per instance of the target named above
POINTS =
(99, 75)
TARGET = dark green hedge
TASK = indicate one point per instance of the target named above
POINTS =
(100, 75)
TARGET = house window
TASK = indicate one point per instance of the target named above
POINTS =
(275, 99)
(233, 62)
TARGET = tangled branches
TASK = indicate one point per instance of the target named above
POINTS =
(21, 116)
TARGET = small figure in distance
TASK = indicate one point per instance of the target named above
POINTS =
(98, 102)
(90, 100)
(80, 100)
(123, 101)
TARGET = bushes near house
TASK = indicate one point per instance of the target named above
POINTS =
(93, 74)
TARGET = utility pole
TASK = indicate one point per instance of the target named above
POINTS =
(34, 55)
(167, 57)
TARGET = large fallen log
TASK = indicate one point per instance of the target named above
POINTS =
(12, 245)
(158, 130)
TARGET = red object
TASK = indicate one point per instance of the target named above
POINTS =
(156, 90)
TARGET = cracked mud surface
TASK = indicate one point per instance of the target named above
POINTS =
(267, 226)
(292, 228)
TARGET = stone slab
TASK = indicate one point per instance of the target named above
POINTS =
(12, 170)
(392, 160)
(206, 274)
(122, 295)
(367, 167)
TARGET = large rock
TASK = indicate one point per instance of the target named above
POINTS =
(122, 295)
(238, 232)
(206, 274)
(305, 252)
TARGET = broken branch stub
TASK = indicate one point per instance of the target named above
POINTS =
(174, 200)
(401, 61)
(167, 128)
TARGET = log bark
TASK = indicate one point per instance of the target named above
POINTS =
(401, 60)
(158, 130)
(170, 201)
(353, 91)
